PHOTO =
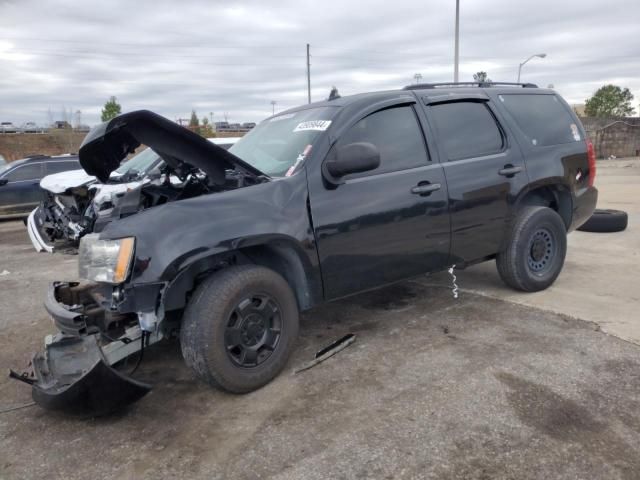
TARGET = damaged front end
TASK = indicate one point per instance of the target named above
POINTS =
(85, 368)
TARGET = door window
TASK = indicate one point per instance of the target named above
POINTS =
(398, 136)
(467, 130)
(57, 167)
(31, 171)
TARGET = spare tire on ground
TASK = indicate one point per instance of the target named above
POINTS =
(605, 221)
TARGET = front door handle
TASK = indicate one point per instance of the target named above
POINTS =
(425, 188)
(509, 170)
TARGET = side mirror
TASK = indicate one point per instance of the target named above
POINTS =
(353, 158)
(3, 181)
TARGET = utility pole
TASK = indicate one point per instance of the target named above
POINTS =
(273, 107)
(308, 75)
(418, 77)
(456, 60)
(211, 117)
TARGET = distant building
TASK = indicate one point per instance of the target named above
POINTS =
(614, 137)
(579, 109)
(61, 124)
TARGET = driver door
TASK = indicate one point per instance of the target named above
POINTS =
(383, 225)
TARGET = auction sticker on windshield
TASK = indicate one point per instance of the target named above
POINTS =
(319, 125)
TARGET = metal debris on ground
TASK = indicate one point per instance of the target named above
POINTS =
(17, 407)
(328, 351)
(454, 288)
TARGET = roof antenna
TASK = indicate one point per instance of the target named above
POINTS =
(334, 93)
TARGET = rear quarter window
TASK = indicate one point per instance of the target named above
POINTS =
(543, 119)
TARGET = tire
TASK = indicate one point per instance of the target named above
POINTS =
(232, 314)
(605, 221)
(535, 252)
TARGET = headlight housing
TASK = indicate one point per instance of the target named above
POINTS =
(105, 260)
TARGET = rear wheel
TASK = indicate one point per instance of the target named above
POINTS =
(240, 328)
(535, 252)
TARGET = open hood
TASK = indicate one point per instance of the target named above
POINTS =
(107, 144)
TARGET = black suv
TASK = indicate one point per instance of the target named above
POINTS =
(314, 204)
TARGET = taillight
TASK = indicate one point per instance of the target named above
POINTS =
(591, 156)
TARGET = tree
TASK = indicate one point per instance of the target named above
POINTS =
(111, 109)
(481, 77)
(205, 129)
(193, 121)
(609, 101)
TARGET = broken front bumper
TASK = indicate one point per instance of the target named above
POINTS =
(76, 371)
(34, 222)
(74, 376)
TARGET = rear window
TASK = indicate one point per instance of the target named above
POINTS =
(544, 119)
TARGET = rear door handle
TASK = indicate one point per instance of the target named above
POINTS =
(509, 170)
(425, 188)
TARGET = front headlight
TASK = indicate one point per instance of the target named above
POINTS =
(105, 260)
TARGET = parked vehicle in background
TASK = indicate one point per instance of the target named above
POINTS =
(8, 127)
(314, 204)
(76, 203)
(31, 127)
(20, 182)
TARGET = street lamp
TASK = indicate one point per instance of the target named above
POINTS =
(273, 107)
(539, 55)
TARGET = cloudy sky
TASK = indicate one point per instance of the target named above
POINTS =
(235, 57)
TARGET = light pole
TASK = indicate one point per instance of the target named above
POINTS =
(273, 107)
(418, 77)
(456, 59)
(539, 55)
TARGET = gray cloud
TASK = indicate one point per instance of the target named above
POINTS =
(236, 57)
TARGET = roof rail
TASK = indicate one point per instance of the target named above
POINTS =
(421, 86)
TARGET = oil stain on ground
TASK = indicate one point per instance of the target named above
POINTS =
(394, 297)
(539, 407)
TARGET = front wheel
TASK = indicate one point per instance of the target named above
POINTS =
(535, 250)
(240, 328)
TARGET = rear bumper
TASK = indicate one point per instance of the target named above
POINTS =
(584, 204)
(37, 239)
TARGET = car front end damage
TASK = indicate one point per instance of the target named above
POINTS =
(105, 324)
(103, 328)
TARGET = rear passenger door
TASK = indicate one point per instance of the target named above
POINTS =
(388, 223)
(484, 169)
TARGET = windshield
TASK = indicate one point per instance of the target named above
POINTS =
(278, 145)
(142, 162)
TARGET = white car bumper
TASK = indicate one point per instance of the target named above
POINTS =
(34, 234)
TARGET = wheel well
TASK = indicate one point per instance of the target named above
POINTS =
(282, 259)
(556, 197)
